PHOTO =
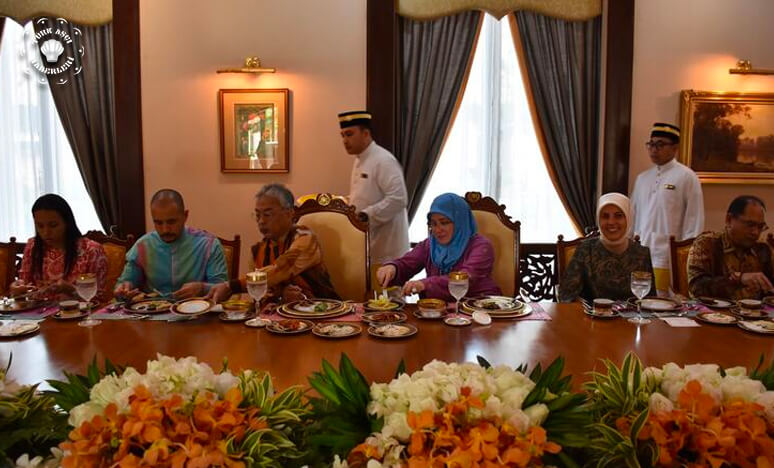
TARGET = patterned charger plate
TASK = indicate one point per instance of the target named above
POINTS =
(493, 305)
(764, 327)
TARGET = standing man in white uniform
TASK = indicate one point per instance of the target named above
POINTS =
(666, 200)
(377, 188)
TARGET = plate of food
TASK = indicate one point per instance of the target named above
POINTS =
(601, 313)
(384, 317)
(765, 327)
(236, 315)
(715, 303)
(716, 318)
(314, 309)
(289, 326)
(657, 304)
(22, 305)
(392, 330)
(194, 306)
(14, 328)
(493, 305)
(381, 304)
(257, 322)
(336, 329)
(150, 306)
(498, 315)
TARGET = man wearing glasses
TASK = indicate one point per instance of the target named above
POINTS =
(666, 201)
(732, 264)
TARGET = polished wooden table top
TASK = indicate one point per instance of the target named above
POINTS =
(291, 358)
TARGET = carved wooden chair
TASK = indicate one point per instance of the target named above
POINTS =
(565, 250)
(115, 251)
(231, 251)
(505, 236)
(10, 263)
(678, 256)
(344, 239)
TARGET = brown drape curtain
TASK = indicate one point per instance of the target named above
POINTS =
(435, 60)
(86, 105)
(563, 62)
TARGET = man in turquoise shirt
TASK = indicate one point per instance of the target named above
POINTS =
(175, 260)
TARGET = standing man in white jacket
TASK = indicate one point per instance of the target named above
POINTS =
(377, 188)
(667, 201)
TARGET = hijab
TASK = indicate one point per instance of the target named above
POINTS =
(457, 210)
(622, 202)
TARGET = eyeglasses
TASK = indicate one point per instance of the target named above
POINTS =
(753, 225)
(657, 145)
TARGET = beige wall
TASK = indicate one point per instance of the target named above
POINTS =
(691, 44)
(318, 49)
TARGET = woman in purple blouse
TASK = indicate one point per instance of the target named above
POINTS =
(453, 245)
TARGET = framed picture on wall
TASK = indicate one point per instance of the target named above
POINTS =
(728, 137)
(254, 130)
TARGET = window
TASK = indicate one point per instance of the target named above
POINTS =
(35, 156)
(492, 147)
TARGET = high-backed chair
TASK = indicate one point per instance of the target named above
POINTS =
(10, 263)
(565, 250)
(231, 249)
(504, 234)
(678, 256)
(115, 251)
(537, 271)
(344, 240)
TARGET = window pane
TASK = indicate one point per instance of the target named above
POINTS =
(36, 156)
(492, 147)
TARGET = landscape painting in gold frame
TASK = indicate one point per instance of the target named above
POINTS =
(728, 137)
(254, 130)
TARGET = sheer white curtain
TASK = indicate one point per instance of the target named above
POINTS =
(492, 147)
(35, 156)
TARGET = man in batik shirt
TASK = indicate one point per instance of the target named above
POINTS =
(289, 254)
(732, 264)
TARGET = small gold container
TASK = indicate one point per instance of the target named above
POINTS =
(458, 275)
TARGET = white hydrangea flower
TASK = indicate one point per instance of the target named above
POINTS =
(519, 420)
(743, 388)
(766, 399)
(84, 412)
(737, 371)
(339, 463)
(536, 413)
(659, 403)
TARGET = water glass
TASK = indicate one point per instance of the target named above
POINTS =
(257, 284)
(86, 287)
(458, 285)
(641, 282)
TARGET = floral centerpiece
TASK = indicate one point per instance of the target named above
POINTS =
(30, 425)
(181, 413)
(449, 414)
(696, 415)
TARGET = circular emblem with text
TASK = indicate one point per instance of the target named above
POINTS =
(54, 48)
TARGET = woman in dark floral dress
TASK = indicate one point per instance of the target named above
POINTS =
(602, 267)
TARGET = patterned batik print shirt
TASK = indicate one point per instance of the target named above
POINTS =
(595, 272)
(712, 260)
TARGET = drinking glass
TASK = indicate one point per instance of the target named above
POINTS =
(257, 283)
(640, 283)
(86, 287)
(458, 286)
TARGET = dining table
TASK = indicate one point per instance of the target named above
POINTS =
(565, 330)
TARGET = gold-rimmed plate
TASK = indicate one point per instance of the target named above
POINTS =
(336, 329)
(716, 302)
(764, 327)
(193, 306)
(290, 313)
(524, 311)
(493, 305)
(716, 318)
(590, 312)
(16, 328)
(290, 326)
(392, 330)
(150, 306)
(384, 317)
(22, 305)
(657, 304)
(70, 316)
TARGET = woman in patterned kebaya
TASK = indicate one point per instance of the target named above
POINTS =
(58, 253)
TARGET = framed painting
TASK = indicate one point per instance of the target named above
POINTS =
(728, 137)
(254, 131)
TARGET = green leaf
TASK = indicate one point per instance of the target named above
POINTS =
(483, 362)
(401, 368)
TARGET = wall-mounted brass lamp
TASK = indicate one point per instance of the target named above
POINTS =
(252, 65)
(744, 67)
